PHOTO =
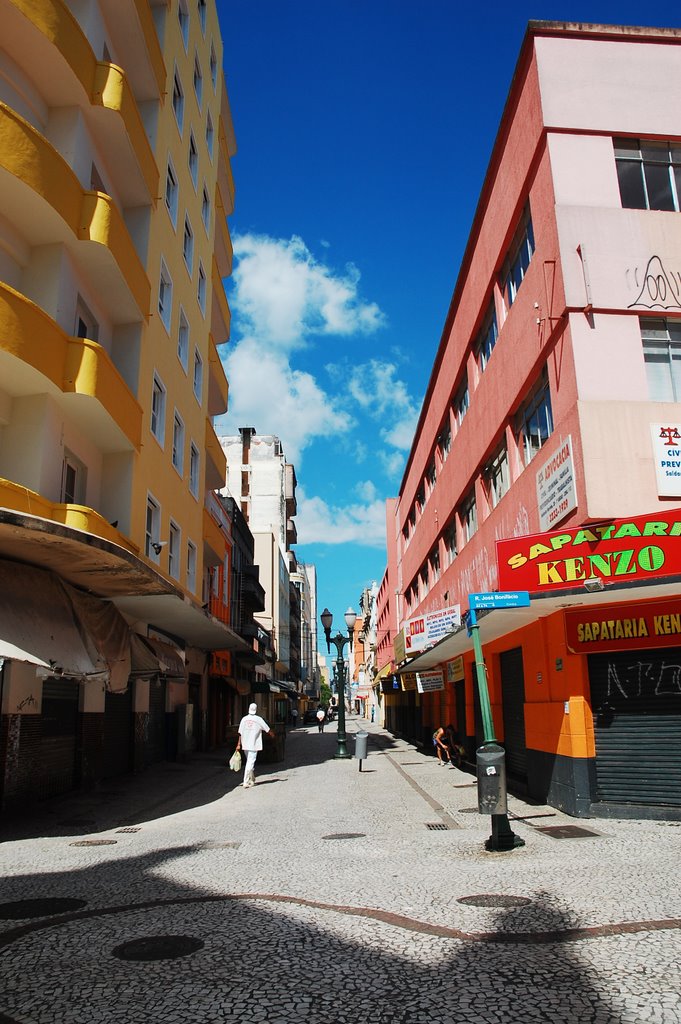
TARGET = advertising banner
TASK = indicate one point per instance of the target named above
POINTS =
(618, 550)
(623, 628)
(455, 670)
(427, 681)
(399, 648)
(408, 680)
(425, 630)
(667, 458)
(556, 492)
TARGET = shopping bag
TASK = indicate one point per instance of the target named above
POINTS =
(235, 761)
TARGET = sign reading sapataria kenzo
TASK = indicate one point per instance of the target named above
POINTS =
(619, 549)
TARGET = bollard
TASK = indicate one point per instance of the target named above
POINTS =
(361, 741)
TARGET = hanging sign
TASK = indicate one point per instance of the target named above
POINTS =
(667, 457)
(425, 630)
(428, 681)
(556, 492)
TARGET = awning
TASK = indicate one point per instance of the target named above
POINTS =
(170, 662)
(264, 686)
(110, 634)
(385, 671)
(180, 617)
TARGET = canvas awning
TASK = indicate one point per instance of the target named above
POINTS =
(169, 660)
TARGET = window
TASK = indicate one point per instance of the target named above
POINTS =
(461, 402)
(165, 296)
(202, 15)
(449, 537)
(178, 101)
(152, 529)
(86, 325)
(174, 540)
(434, 561)
(210, 134)
(183, 17)
(198, 376)
(431, 476)
(469, 517)
(444, 440)
(420, 499)
(183, 340)
(662, 357)
(496, 477)
(188, 245)
(178, 443)
(194, 470)
(193, 159)
(423, 582)
(649, 174)
(158, 409)
(201, 290)
(205, 210)
(73, 476)
(535, 419)
(213, 67)
(487, 338)
(518, 260)
(171, 193)
(191, 567)
(198, 80)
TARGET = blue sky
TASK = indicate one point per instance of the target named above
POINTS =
(364, 128)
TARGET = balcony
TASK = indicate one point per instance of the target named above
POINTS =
(224, 252)
(218, 386)
(36, 356)
(133, 31)
(216, 461)
(220, 315)
(51, 208)
(253, 591)
(49, 45)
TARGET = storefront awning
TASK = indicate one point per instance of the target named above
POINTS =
(170, 662)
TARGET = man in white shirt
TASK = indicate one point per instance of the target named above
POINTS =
(251, 728)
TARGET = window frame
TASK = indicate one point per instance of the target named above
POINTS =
(194, 469)
(497, 471)
(183, 322)
(152, 528)
(165, 296)
(197, 81)
(486, 338)
(468, 515)
(669, 347)
(188, 245)
(173, 204)
(641, 151)
(518, 259)
(197, 376)
(192, 564)
(202, 285)
(538, 399)
(174, 549)
(177, 452)
(178, 100)
(157, 412)
(183, 19)
(462, 401)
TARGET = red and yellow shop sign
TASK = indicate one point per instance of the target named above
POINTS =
(408, 680)
(643, 547)
(624, 627)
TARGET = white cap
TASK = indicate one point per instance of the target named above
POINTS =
(252, 708)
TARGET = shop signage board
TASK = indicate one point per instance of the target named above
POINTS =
(425, 630)
(666, 439)
(623, 627)
(426, 682)
(500, 599)
(618, 550)
(408, 680)
(455, 670)
(556, 491)
(399, 648)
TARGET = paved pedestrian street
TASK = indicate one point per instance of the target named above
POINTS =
(332, 896)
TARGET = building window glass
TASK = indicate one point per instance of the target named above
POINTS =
(193, 159)
(171, 193)
(73, 475)
(194, 470)
(191, 567)
(198, 376)
(423, 582)
(431, 476)
(165, 296)
(487, 338)
(496, 477)
(213, 67)
(205, 209)
(201, 290)
(183, 340)
(178, 101)
(202, 15)
(210, 135)
(178, 443)
(183, 17)
(198, 80)
(420, 499)
(469, 518)
(535, 419)
(451, 549)
(518, 260)
(662, 357)
(444, 441)
(461, 401)
(158, 409)
(434, 561)
(174, 541)
(152, 529)
(649, 174)
(188, 245)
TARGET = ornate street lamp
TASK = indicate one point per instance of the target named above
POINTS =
(339, 642)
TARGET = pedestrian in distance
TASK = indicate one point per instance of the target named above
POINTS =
(321, 718)
(294, 717)
(440, 747)
(373, 712)
(251, 728)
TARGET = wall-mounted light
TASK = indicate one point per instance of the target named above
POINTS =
(594, 584)
(158, 545)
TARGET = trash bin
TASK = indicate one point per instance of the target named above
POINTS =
(361, 741)
(491, 762)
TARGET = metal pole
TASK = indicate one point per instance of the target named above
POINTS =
(341, 750)
(502, 837)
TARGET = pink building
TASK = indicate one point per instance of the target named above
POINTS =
(557, 375)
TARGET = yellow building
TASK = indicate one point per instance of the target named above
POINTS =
(115, 184)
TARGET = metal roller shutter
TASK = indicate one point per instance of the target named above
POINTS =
(118, 734)
(636, 702)
(157, 750)
(513, 700)
(59, 727)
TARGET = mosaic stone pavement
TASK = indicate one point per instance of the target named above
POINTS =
(332, 896)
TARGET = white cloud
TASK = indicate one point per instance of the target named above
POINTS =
(378, 391)
(320, 523)
(267, 393)
(282, 295)
(366, 490)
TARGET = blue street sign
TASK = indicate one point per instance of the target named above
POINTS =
(500, 599)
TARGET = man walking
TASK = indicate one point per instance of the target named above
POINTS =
(321, 716)
(251, 728)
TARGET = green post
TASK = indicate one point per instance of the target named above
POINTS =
(503, 837)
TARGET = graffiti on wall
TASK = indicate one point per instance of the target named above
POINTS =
(657, 286)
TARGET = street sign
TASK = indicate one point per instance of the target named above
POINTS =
(500, 599)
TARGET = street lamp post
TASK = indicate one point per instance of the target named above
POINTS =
(339, 642)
